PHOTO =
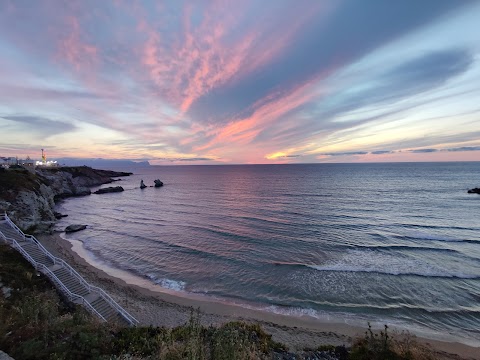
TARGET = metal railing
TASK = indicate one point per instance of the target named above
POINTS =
(47, 272)
(57, 261)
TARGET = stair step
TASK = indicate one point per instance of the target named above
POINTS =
(97, 302)
(102, 305)
(80, 290)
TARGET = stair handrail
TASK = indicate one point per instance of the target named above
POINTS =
(96, 289)
(113, 303)
(72, 271)
(12, 224)
(47, 272)
(34, 240)
(29, 237)
(55, 259)
(99, 291)
(70, 294)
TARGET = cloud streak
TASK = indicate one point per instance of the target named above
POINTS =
(43, 126)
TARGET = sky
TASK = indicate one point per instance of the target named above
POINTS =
(241, 82)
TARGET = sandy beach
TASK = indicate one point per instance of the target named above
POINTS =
(153, 305)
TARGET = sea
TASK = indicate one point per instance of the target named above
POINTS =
(385, 243)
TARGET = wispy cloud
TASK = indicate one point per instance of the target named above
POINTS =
(43, 126)
(465, 148)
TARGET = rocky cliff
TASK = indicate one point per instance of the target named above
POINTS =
(29, 198)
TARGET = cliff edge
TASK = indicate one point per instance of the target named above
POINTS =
(29, 198)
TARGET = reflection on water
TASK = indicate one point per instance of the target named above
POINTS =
(373, 241)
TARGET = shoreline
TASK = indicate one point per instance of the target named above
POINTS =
(157, 306)
(223, 306)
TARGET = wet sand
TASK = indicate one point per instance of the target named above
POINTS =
(153, 305)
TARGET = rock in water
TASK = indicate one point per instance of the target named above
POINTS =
(142, 185)
(73, 228)
(58, 215)
(110, 189)
(158, 183)
(474, 191)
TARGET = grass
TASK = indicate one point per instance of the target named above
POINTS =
(383, 346)
(13, 180)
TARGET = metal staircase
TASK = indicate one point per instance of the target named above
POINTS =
(63, 276)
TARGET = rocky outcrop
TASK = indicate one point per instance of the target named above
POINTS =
(74, 228)
(62, 184)
(111, 189)
(33, 210)
(29, 197)
(75, 181)
(158, 183)
(474, 191)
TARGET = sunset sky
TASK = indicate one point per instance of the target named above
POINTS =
(210, 82)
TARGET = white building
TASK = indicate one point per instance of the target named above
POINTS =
(6, 162)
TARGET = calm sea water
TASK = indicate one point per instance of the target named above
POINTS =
(388, 243)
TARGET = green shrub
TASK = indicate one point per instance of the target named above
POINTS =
(382, 346)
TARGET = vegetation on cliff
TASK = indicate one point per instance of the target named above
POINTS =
(14, 180)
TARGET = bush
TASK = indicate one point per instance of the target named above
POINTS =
(382, 346)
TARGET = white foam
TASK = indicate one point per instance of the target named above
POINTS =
(171, 284)
(297, 312)
(392, 264)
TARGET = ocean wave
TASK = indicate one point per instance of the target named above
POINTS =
(427, 273)
(417, 235)
(346, 309)
(377, 262)
(405, 247)
(170, 284)
(371, 261)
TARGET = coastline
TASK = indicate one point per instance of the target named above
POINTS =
(153, 305)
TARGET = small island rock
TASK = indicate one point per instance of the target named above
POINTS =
(73, 228)
(474, 191)
(158, 183)
(59, 215)
(110, 189)
(142, 185)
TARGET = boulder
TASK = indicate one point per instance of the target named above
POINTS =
(474, 191)
(111, 189)
(82, 192)
(59, 215)
(158, 183)
(75, 227)
(142, 185)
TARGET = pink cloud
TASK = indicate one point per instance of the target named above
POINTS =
(74, 50)
(265, 112)
(208, 56)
